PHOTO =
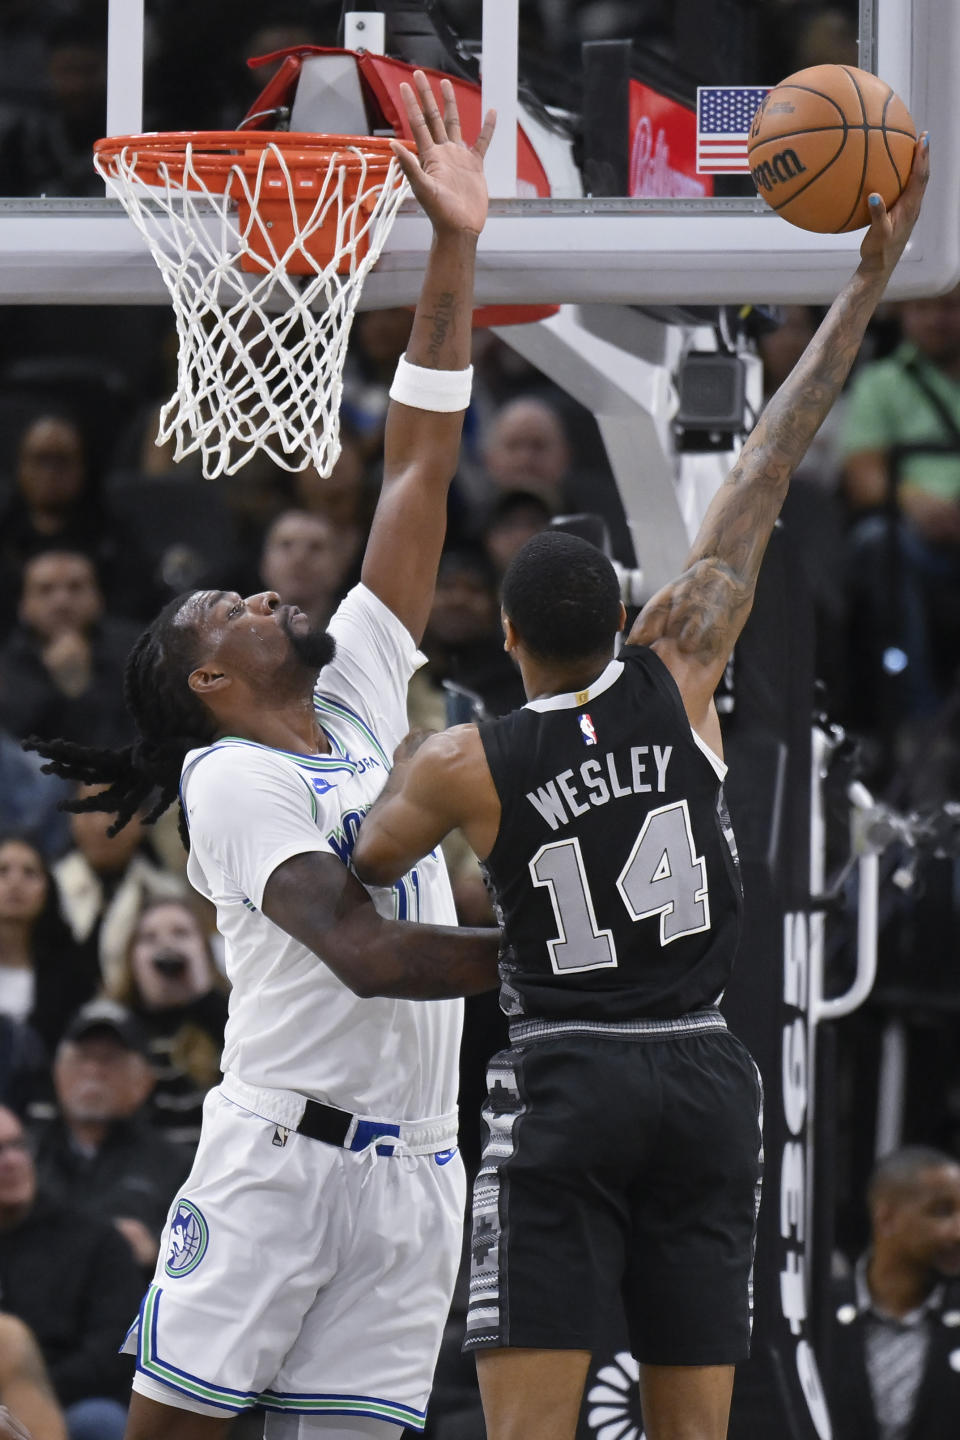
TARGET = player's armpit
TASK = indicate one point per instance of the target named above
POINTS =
(692, 624)
(445, 784)
(317, 901)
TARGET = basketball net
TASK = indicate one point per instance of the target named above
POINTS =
(264, 256)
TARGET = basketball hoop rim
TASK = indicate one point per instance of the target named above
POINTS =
(216, 154)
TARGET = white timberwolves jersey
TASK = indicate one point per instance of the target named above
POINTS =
(293, 1025)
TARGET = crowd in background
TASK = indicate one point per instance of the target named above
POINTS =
(112, 990)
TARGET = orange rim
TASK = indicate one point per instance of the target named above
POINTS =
(217, 153)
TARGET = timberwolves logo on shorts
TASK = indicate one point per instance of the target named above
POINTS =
(188, 1240)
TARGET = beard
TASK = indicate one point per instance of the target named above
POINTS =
(313, 648)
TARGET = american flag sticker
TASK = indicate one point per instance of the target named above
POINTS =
(724, 116)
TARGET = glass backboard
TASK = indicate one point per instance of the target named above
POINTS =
(629, 217)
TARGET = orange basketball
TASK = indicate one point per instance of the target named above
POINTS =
(824, 140)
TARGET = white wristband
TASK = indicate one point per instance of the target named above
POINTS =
(423, 389)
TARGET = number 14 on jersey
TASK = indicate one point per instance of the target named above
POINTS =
(663, 875)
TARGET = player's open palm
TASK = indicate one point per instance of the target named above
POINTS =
(890, 230)
(445, 175)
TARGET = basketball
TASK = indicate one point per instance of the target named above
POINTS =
(824, 140)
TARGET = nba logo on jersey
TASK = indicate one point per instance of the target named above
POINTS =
(587, 730)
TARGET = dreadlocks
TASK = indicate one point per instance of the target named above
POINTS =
(169, 719)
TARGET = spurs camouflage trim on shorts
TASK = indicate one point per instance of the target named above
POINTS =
(502, 1111)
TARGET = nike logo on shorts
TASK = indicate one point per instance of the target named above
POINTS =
(443, 1156)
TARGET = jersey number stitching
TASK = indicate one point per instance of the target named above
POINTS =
(663, 876)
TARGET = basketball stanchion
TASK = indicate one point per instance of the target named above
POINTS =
(264, 240)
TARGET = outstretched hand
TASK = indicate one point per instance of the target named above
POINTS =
(445, 175)
(889, 231)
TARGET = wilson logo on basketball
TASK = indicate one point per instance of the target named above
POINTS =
(783, 167)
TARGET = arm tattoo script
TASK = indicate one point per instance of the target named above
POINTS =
(443, 315)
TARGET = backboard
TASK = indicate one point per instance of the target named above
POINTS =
(672, 242)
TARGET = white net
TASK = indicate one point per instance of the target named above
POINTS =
(261, 349)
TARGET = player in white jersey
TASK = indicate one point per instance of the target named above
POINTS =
(308, 1262)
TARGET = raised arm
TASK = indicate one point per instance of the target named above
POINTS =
(693, 623)
(422, 445)
(436, 785)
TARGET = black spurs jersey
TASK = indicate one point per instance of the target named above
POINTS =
(615, 867)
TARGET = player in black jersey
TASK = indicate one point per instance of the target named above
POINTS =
(622, 1159)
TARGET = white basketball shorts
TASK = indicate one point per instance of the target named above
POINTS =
(299, 1276)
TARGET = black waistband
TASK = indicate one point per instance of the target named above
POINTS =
(339, 1127)
(324, 1122)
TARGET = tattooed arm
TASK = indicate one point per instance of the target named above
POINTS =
(421, 447)
(693, 622)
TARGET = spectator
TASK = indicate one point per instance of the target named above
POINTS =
(46, 151)
(286, 27)
(23, 53)
(463, 643)
(301, 560)
(901, 444)
(467, 668)
(29, 800)
(170, 981)
(812, 514)
(51, 506)
(893, 1338)
(25, 1389)
(43, 975)
(345, 498)
(103, 883)
(516, 516)
(61, 669)
(378, 339)
(526, 448)
(254, 497)
(806, 33)
(100, 1153)
(73, 1280)
(24, 1069)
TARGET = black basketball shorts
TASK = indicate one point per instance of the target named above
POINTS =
(621, 1168)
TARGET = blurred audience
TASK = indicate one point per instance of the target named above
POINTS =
(346, 499)
(24, 1068)
(44, 975)
(72, 1278)
(804, 32)
(61, 669)
(890, 1355)
(468, 674)
(515, 517)
(813, 513)
(45, 150)
(304, 563)
(901, 447)
(26, 1394)
(101, 1153)
(463, 643)
(103, 883)
(526, 448)
(53, 505)
(170, 981)
(378, 339)
(29, 799)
